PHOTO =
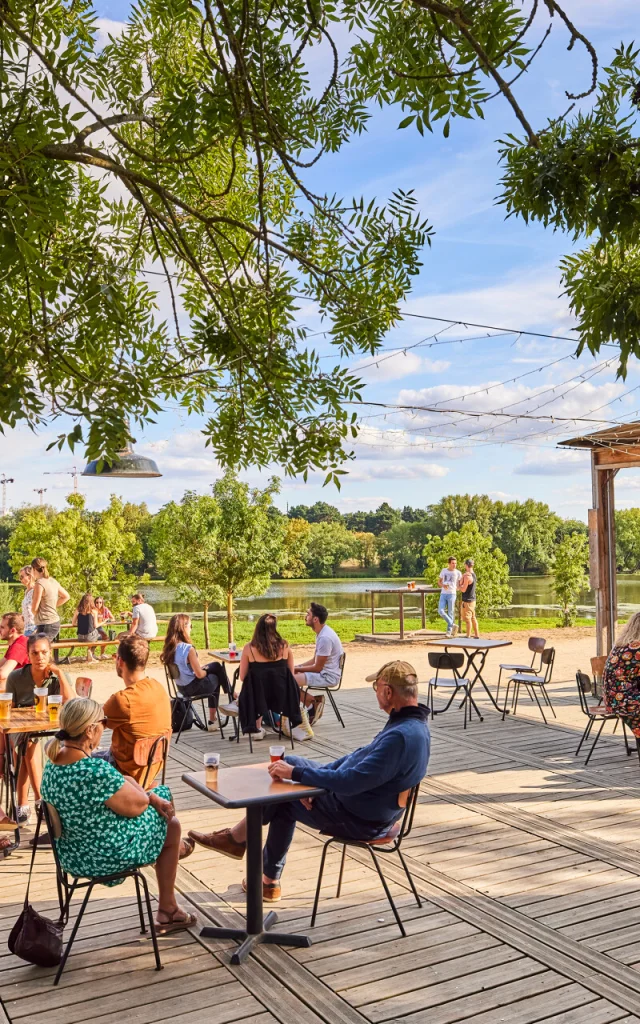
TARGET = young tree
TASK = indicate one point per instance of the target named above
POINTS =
(329, 545)
(570, 574)
(296, 542)
(628, 539)
(85, 550)
(490, 567)
(365, 549)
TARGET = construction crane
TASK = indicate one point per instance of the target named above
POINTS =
(5, 480)
(66, 472)
(40, 491)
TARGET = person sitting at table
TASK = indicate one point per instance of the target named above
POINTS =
(105, 615)
(138, 712)
(361, 789)
(143, 619)
(109, 823)
(323, 670)
(621, 677)
(267, 660)
(15, 656)
(194, 679)
(85, 618)
(40, 671)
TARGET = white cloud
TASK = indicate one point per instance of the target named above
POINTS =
(397, 471)
(554, 463)
(396, 366)
(107, 27)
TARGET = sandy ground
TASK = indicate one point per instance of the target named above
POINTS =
(574, 648)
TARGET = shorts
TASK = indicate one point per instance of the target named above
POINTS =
(467, 610)
(88, 637)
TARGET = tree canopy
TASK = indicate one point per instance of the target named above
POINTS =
(490, 564)
(183, 147)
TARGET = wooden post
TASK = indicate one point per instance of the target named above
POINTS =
(424, 614)
(603, 540)
(401, 599)
(373, 614)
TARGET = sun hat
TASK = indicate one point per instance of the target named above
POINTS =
(395, 673)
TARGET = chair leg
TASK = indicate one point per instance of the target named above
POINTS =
(318, 886)
(626, 741)
(388, 893)
(516, 694)
(638, 746)
(409, 878)
(585, 735)
(532, 689)
(498, 688)
(593, 745)
(74, 932)
(250, 743)
(546, 697)
(143, 928)
(342, 859)
(152, 924)
(506, 700)
(335, 708)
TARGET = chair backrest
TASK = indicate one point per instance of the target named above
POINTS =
(411, 797)
(597, 666)
(84, 686)
(547, 659)
(585, 686)
(52, 819)
(444, 662)
(536, 644)
(171, 679)
(341, 662)
(149, 751)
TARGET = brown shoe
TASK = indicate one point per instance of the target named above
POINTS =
(222, 842)
(271, 891)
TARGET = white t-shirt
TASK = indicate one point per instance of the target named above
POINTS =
(328, 646)
(449, 578)
(148, 625)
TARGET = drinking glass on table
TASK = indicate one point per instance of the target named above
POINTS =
(276, 753)
(6, 701)
(40, 693)
(54, 702)
(211, 765)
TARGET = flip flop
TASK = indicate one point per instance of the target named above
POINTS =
(175, 923)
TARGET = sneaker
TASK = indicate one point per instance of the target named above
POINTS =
(259, 735)
(317, 710)
(454, 631)
(212, 726)
(448, 633)
(230, 710)
(271, 891)
(23, 817)
(222, 842)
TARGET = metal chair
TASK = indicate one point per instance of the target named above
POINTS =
(172, 673)
(536, 645)
(149, 751)
(386, 845)
(68, 885)
(328, 689)
(595, 713)
(84, 686)
(450, 663)
(532, 683)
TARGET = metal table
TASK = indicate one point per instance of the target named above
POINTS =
(473, 649)
(252, 788)
(402, 592)
(33, 723)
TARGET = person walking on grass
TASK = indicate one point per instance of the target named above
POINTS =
(448, 581)
(467, 588)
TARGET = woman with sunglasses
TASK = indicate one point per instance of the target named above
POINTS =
(108, 822)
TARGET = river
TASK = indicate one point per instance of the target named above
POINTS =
(349, 598)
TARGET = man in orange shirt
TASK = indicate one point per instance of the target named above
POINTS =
(140, 711)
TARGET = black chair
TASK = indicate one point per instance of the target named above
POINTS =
(172, 673)
(536, 645)
(68, 885)
(386, 845)
(327, 689)
(450, 663)
(533, 683)
(262, 698)
(596, 713)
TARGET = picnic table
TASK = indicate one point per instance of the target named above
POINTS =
(251, 787)
(402, 593)
(30, 722)
(70, 645)
(473, 648)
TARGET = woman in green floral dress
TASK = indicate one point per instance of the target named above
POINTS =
(621, 676)
(109, 823)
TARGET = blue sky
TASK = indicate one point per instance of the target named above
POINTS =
(480, 268)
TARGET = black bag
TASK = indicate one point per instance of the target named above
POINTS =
(35, 938)
(179, 708)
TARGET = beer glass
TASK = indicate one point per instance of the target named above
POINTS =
(211, 765)
(40, 693)
(276, 753)
(6, 701)
(53, 703)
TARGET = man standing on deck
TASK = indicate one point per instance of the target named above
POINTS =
(448, 583)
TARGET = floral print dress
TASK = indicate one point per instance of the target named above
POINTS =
(96, 841)
(621, 684)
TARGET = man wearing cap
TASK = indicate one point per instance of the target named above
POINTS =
(361, 789)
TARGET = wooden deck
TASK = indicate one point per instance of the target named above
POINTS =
(529, 864)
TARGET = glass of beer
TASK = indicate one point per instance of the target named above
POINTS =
(276, 753)
(211, 765)
(233, 650)
(40, 693)
(54, 701)
(6, 701)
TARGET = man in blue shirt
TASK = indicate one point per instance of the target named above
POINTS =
(361, 789)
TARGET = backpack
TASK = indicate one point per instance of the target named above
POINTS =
(181, 709)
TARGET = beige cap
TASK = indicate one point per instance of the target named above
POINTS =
(395, 673)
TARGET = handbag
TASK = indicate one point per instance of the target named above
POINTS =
(181, 711)
(35, 938)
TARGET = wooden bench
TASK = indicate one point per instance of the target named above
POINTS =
(69, 645)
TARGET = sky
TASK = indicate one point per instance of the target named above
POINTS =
(480, 269)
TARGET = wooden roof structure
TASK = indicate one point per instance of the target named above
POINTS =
(614, 448)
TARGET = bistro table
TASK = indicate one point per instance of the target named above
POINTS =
(473, 649)
(402, 592)
(31, 723)
(251, 787)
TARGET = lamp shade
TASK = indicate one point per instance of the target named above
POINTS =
(127, 464)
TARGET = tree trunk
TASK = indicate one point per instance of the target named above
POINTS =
(230, 616)
(205, 621)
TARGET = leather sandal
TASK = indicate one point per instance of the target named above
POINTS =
(180, 920)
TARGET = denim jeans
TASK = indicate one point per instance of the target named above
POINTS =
(446, 607)
(327, 815)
